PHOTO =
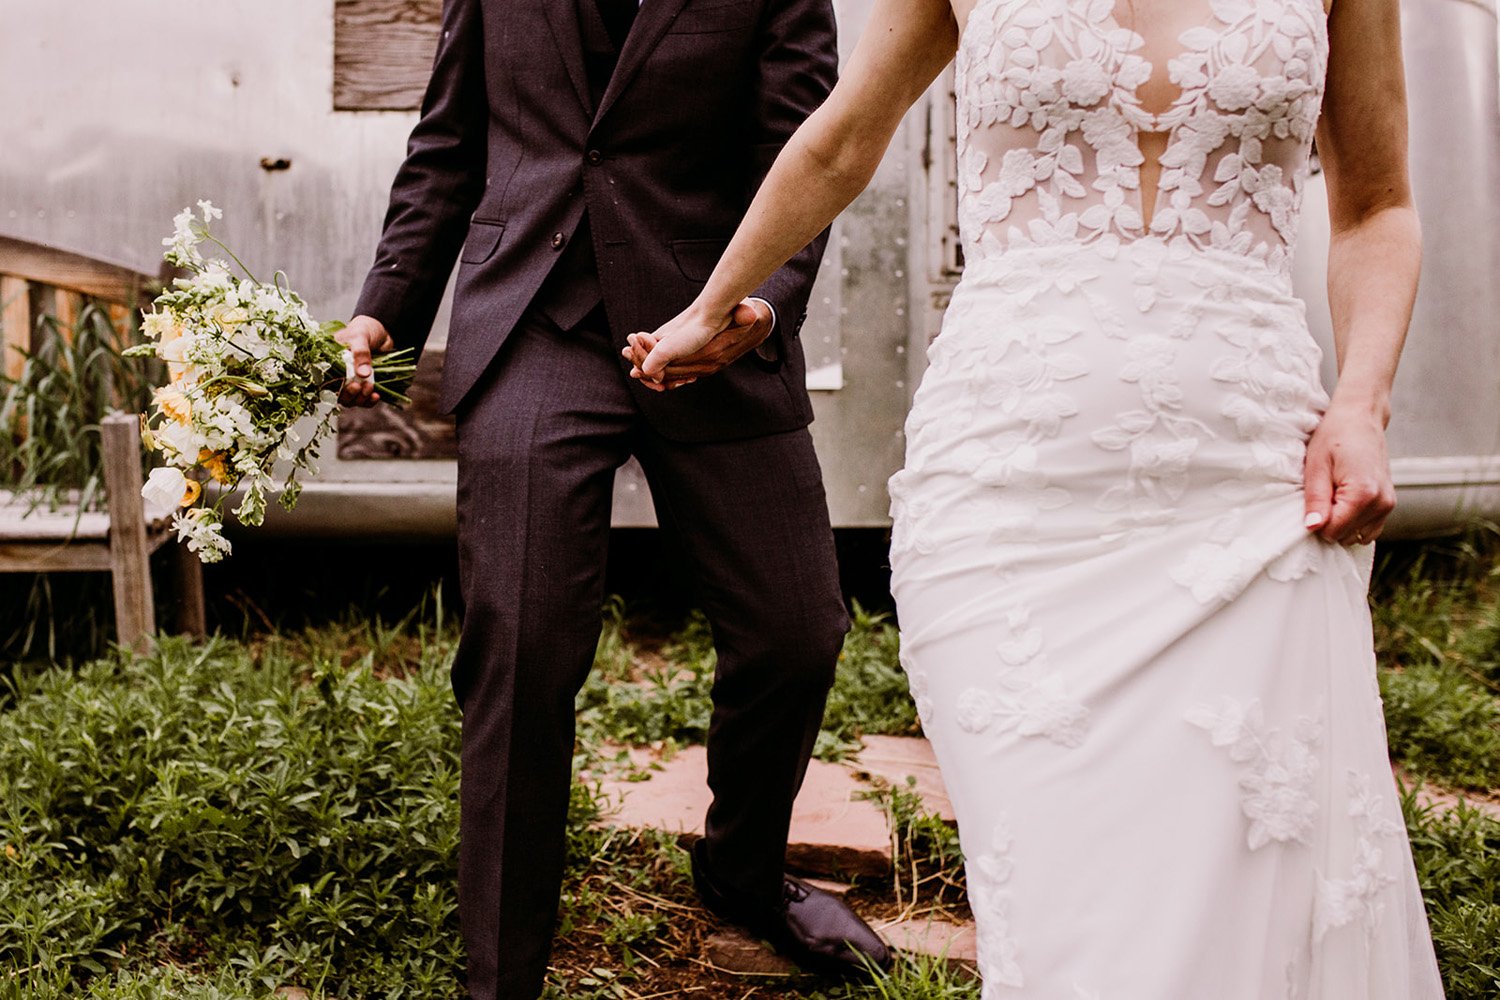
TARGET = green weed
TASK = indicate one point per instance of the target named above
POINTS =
(1436, 610)
(1458, 864)
(50, 447)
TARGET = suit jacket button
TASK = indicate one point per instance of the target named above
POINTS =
(559, 240)
(595, 157)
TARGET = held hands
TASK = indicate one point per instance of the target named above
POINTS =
(1348, 477)
(690, 347)
(364, 336)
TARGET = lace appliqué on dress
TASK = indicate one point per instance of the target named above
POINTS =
(1050, 118)
(988, 876)
(1278, 772)
(1028, 698)
(1342, 901)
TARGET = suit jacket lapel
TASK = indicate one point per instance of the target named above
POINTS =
(650, 24)
(562, 15)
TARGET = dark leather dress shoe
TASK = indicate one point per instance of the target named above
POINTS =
(813, 928)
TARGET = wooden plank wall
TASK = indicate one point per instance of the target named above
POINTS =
(382, 53)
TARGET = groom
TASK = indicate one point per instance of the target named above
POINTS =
(587, 161)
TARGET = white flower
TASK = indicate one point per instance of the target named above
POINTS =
(1051, 712)
(1017, 172)
(164, 489)
(203, 533)
(1274, 198)
(1085, 83)
(1234, 87)
(180, 442)
(975, 710)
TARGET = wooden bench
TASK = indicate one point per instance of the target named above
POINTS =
(37, 539)
(37, 281)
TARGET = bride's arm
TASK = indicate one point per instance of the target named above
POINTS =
(825, 164)
(1373, 259)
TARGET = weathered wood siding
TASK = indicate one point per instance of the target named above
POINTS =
(382, 53)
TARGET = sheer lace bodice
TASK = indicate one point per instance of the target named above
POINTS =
(1051, 120)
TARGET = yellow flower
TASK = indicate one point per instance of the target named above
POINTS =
(174, 352)
(228, 318)
(216, 464)
(10, 851)
(191, 494)
(174, 403)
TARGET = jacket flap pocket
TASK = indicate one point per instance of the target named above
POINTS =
(484, 237)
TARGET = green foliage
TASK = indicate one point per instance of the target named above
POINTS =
(1437, 629)
(1443, 725)
(638, 699)
(636, 696)
(917, 977)
(1458, 863)
(870, 694)
(50, 447)
(157, 983)
(251, 809)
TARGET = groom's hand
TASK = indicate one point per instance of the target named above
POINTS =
(749, 326)
(364, 336)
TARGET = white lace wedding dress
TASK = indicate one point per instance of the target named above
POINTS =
(1151, 692)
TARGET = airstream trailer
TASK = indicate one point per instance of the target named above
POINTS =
(293, 116)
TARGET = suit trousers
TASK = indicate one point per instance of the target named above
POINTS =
(539, 443)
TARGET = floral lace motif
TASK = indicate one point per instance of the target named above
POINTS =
(1279, 769)
(1029, 699)
(1018, 375)
(1342, 901)
(990, 897)
(1277, 397)
(1219, 568)
(1050, 119)
(920, 689)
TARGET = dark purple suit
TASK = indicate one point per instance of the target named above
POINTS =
(589, 188)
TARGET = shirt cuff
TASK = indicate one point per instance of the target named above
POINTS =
(767, 349)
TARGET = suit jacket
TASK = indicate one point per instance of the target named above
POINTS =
(509, 152)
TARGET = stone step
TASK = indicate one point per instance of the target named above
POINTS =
(953, 942)
(894, 759)
(834, 831)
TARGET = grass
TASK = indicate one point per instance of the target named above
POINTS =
(1437, 628)
(217, 820)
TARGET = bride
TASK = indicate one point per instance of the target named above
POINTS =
(1131, 543)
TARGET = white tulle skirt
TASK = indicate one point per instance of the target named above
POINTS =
(1151, 692)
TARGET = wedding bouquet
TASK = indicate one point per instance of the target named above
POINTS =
(246, 363)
